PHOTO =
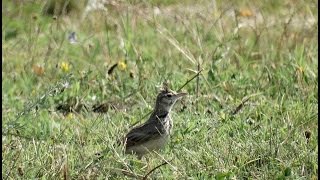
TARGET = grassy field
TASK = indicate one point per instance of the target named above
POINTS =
(252, 113)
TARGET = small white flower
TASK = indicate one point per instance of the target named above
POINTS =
(66, 85)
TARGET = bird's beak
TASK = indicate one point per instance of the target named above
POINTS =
(180, 95)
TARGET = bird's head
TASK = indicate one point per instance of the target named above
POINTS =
(167, 98)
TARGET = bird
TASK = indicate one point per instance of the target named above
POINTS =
(153, 134)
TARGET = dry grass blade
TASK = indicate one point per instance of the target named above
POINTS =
(175, 43)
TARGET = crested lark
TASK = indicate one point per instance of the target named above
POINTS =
(155, 132)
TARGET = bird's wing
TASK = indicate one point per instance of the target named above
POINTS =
(142, 134)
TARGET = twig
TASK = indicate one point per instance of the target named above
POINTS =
(196, 75)
(146, 176)
(240, 106)
(198, 80)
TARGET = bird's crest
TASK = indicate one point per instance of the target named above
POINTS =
(165, 87)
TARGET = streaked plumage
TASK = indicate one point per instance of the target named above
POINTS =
(155, 132)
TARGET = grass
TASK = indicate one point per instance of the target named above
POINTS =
(251, 114)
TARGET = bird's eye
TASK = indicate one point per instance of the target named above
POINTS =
(169, 95)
